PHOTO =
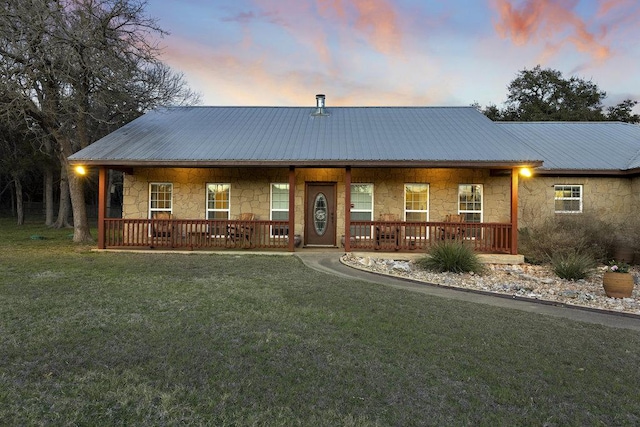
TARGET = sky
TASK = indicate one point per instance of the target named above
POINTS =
(394, 52)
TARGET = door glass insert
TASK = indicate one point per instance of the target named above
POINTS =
(320, 214)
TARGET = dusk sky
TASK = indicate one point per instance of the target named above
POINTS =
(394, 53)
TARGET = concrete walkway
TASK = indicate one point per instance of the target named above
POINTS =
(329, 262)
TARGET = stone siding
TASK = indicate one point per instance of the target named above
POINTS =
(610, 198)
(250, 190)
(443, 190)
(613, 198)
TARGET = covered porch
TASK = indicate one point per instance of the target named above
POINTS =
(386, 235)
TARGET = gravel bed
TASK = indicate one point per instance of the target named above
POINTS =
(530, 281)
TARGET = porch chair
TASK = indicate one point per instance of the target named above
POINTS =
(240, 232)
(162, 226)
(388, 233)
(452, 232)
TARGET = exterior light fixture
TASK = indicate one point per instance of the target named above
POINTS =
(526, 172)
(80, 170)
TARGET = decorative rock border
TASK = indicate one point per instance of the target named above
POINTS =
(524, 281)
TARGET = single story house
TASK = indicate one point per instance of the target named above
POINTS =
(366, 178)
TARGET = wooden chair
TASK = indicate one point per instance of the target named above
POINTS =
(388, 233)
(454, 231)
(241, 232)
(162, 226)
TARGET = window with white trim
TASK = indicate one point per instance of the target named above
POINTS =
(279, 208)
(568, 198)
(361, 208)
(218, 205)
(470, 202)
(160, 198)
(416, 208)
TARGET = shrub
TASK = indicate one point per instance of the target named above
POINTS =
(451, 256)
(573, 265)
(565, 235)
(628, 239)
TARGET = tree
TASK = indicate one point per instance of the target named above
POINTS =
(623, 112)
(544, 95)
(12, 156)
(78, 69)
(19, 158)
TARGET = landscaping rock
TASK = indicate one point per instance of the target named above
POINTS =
(530, 281)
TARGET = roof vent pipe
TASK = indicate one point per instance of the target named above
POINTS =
(320, 104)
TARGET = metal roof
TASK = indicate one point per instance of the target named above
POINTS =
(580, 146)
(276, 136)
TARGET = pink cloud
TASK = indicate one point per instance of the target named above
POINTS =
(299, 87)
(619, 16)
(313, 21)
(230, 78)
(377, 20)
(555, 22)
(297, 18)
(606, 6)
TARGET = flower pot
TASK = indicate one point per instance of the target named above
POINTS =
(617, 285)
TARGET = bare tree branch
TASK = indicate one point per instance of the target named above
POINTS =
(80, 68)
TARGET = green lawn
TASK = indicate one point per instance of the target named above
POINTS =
(92, 338)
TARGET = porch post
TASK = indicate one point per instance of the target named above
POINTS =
(514, 211)
(347, 210)
(292, 208)
(102, 205)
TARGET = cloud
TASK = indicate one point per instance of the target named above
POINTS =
(298, 87)
(315, 22)
(606, 6)
(554, 22)
(296, 18)
(242, 17)
(619, 17)
(376, 20)
(231, 78)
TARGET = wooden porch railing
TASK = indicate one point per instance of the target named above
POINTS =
(365, 235)
(420, 236)
(195, 234)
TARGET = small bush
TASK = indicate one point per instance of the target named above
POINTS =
(572, 266)
(451, 256)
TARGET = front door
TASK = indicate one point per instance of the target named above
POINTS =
(320, 221)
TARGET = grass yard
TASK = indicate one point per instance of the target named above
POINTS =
(92, 338)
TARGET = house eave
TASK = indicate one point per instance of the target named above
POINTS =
(588, 172)
(308, 163)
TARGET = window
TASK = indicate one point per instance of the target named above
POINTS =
(218, 205)
(416, 202)
(361, 208)
(160, 198)
(470, 202)
(568, 198)
(218, 201)
(416, 208)
(280, 208)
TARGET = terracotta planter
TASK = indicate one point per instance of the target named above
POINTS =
(618, 285)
